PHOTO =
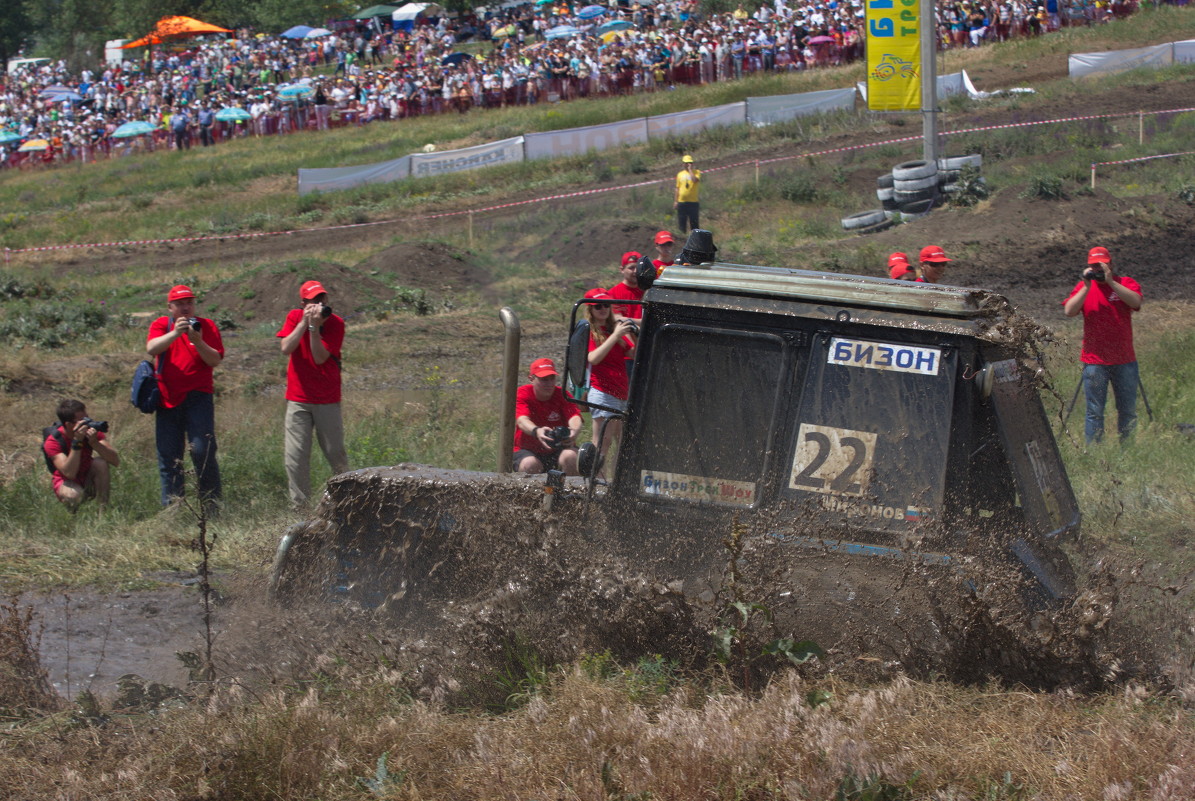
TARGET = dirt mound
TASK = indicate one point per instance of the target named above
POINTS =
(592, 251)
(270, 294)
(432, 266)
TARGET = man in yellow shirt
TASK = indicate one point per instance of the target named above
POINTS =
(688, 183)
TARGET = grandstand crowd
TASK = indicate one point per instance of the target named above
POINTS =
(191, 93)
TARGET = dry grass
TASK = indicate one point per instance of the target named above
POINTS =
(587, 739)
(24, 685)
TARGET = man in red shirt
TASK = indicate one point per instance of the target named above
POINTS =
(628, 289)
(71, 449)
(664, 243)
(312, 336)
(1107, 302)
(933, 264)
(190, 348)
(540, 407)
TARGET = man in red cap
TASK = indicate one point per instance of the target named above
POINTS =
(190, 348)
(628, 288)
(933, 264)
(1107, 302)
(312, 336)
(664, 243)
(542, 414)
(899, 269)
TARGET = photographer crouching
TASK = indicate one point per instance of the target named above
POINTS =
(547, 424)
(71, 450)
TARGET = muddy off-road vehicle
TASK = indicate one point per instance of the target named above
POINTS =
(881, 443)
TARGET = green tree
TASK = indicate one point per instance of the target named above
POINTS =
(15, 32)
(73, 30)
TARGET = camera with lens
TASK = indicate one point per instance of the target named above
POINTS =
(632, 328)
(559, 437)
(325, 310)
(1093, 274)
(98, 425)
(195, 324)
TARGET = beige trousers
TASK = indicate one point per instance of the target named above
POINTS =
(301, 418)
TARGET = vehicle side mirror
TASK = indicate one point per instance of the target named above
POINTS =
(578, 354)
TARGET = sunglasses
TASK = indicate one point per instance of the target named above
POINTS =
(601, 305)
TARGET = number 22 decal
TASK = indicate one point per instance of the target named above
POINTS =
(835, 461)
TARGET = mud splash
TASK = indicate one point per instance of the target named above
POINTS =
(437, 574)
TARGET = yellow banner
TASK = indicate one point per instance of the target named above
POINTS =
(894, 55)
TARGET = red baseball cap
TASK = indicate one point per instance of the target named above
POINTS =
(543, 367)
(179, 292)
(312, 289)
(631, 256)
(898, 258)
(663, 237)
(1098, 255)
(899, 270)
(597, 293)
(933, 253)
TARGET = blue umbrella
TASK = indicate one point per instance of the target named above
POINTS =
(232, 114)
(56, 89)
(9, 136)
(297, 32)
(134, 128)
(590, 12)
(61, 97)
(562, 32)
(452, 59)
(613, 25)
(295, 91)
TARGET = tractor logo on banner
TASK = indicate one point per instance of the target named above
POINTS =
(893, 53)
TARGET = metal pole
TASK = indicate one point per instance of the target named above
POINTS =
(510, 384)
(1093, 176)
(1145, 398)
(1074, 400)
(1140, 127)
(929, 82)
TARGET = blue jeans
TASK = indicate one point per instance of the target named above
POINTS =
(192, 422)
(1123, 378)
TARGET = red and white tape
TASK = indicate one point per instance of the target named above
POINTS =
(1095, 164)
(582, 193)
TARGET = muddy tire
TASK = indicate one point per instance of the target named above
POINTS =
(884, 194)
(885, 181)
(863, 219)
(915, 210)
(882, 225)
(958, 162)
(904, 198)
(913, 171)
(916, 184)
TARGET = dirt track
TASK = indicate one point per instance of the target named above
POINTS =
(1029, 250)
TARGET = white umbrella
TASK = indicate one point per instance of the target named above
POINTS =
(315, 33)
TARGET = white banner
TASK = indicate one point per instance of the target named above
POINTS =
(698, 119)
(505, 151)
(952, 84)
(579, 141)
(767, 110)
(332, 179)
(1184, 51)
(1080, 65)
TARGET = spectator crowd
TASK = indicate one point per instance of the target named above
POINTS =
(256, 85)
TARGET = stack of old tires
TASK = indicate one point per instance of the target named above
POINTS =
(911, 190)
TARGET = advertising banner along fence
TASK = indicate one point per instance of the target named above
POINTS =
(504, 151)
(781, 108)
(578, 141)
(893, 55)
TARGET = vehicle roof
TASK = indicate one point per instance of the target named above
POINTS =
(859, 291)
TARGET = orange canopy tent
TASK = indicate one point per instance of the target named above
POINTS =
(174, 28)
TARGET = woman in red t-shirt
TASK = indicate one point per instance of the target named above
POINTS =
(610, 344)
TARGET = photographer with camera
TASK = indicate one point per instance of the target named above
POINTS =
(611, 347)
(312, 336)
(547, 424)
(1107, 302)
(71, 451)
(187, 414)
